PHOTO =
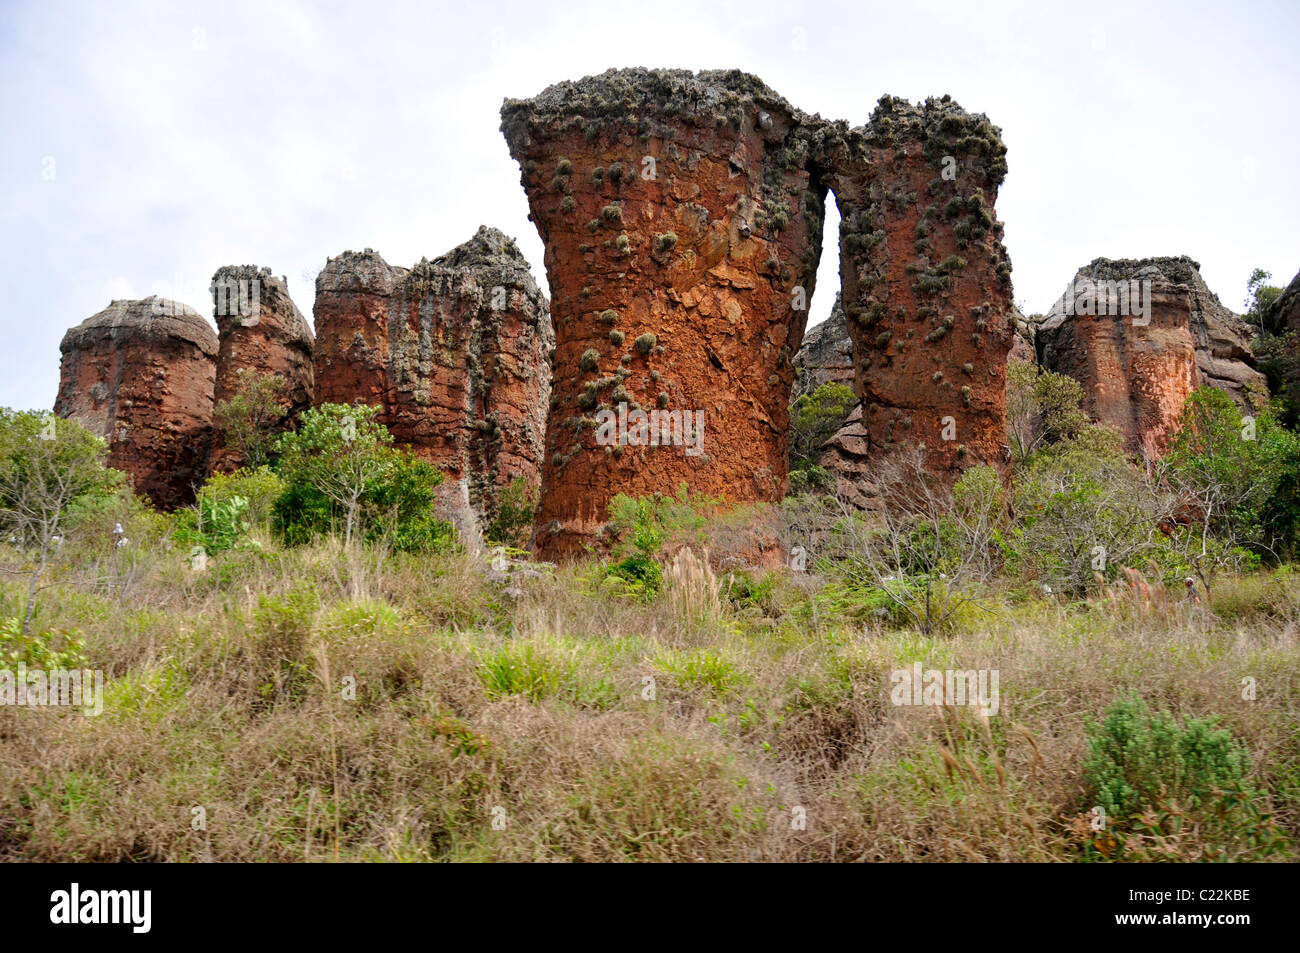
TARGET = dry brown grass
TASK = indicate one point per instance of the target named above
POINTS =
(469, 701)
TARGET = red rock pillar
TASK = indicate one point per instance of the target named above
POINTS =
(259, 331)
(141, 375)
(926, 282)
(682, 225)
(455, 352)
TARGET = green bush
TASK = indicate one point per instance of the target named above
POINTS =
(215, 525)
(261, 487)
(301, 513)
(37, 650)
(515, 508)
(814, 419)
(400, 508)
(281, 644)
(1160, 782)
(339, 469)
(639, 576)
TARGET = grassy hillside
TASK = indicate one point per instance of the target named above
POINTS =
(227, 690)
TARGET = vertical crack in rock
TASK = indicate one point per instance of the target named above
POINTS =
(1138, 362)
(455, 351)
(259, 331)
(925, 279)
(141, 375)
(827, 357)
(682, 219)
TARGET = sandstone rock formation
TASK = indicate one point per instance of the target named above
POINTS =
(682, 222)
(1284, 313)
(141, 375)
(826, 354)
(1282, 355)
(926, 282)
(1140, 335)
(1022, 344)
(455, 351)
(259, 331)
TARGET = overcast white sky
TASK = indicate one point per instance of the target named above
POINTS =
(145, 145)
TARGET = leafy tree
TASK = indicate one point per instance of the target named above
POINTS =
(814, 419)
(1043, 408)
(1081, 508)
(48, 466)
(251, 420)
(1234, 478)
(340, 466)
(338, 451)
(1259, 297)
(1275, 348)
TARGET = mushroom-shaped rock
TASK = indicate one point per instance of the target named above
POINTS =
(141, 375)
(682, 224)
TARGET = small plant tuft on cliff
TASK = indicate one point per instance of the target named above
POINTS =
(616, 337)
(590, 359)
(646, 342)
(612, 213)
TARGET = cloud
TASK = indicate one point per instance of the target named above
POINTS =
(187, 137)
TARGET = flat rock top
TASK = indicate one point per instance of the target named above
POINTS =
(616, 92)
(152, 318)
(271, 288)
(1179, 269)
(661, 97)
(359, 271)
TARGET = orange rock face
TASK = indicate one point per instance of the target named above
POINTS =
(141, 375)
(259, 331)
(926, 282)
(682, 225)
(1140, 336)
(455, 351)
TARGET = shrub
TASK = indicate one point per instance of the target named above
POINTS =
(339, 469)
(250, 420)
(814, 419)
(1161, 783)
(37, 650)
(645, 343)
(515, 508)
(590, 359)
(639, 576)
(281, 643)
(400, 508)
(214, 524)
(261, 487)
